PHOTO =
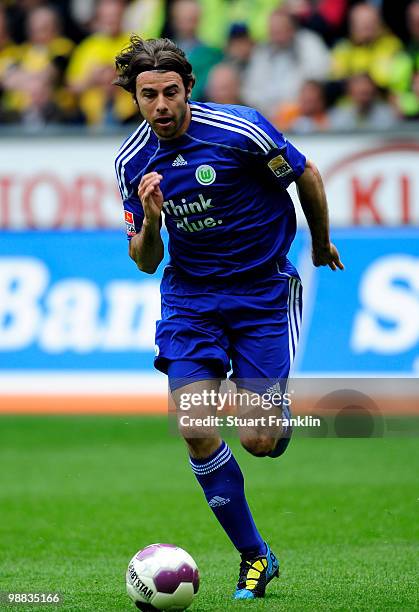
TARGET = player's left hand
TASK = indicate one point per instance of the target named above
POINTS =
(328, 256)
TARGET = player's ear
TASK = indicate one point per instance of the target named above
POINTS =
(189, 88)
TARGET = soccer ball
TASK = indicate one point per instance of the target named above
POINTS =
(162, 577)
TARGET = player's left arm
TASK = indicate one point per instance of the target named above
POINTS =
(313, 201)
(284, 164)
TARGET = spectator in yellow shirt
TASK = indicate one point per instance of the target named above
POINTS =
(405, 68)
(46, 46)
(369, 48)
(9, 51)
(90, 64)
(9, 59)
(46, 51)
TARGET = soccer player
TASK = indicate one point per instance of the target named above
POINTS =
(230, 296)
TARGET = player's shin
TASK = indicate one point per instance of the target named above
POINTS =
(223, 484)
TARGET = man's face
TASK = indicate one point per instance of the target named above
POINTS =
(224, 85)
(42, 26)
(162, 101)
(281, 30)
(413, 20)
(362, 91)
(364, 24)
(311, 100)
(185, 17)
(109, 17)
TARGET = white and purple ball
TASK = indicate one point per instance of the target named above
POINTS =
(162, 577)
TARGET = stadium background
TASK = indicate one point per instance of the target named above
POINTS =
(77, 318)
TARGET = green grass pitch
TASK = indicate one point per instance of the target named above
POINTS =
(80, 495)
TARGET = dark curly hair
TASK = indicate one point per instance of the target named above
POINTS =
(159, 54)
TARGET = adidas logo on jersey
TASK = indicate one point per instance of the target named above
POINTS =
(180, 161)
(218, 501)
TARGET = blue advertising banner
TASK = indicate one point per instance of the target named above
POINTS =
(366, 319)
(74, 301)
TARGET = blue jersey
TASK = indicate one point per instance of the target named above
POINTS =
(226, 205)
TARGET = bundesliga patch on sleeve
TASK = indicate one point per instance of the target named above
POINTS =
(279, 166)
(129, 222)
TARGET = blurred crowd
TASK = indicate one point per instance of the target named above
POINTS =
(307, 65)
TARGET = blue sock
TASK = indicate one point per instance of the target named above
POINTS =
(223, 484)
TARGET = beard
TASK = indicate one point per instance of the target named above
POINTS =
(172, 129)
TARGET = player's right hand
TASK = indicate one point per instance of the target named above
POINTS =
(151, 195)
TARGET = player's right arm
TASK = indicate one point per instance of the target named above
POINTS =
(146, 248)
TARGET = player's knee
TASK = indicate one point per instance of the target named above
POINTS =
(200, 447)
(258, 445)
(195, 435)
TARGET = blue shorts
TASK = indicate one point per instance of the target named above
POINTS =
(248, 325)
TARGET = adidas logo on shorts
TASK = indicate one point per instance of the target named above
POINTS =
(180, 161)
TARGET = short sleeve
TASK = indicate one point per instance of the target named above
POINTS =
(133, 216)
(280, 159)
(133, 210)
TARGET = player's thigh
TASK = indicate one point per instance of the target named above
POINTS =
(194, 388)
